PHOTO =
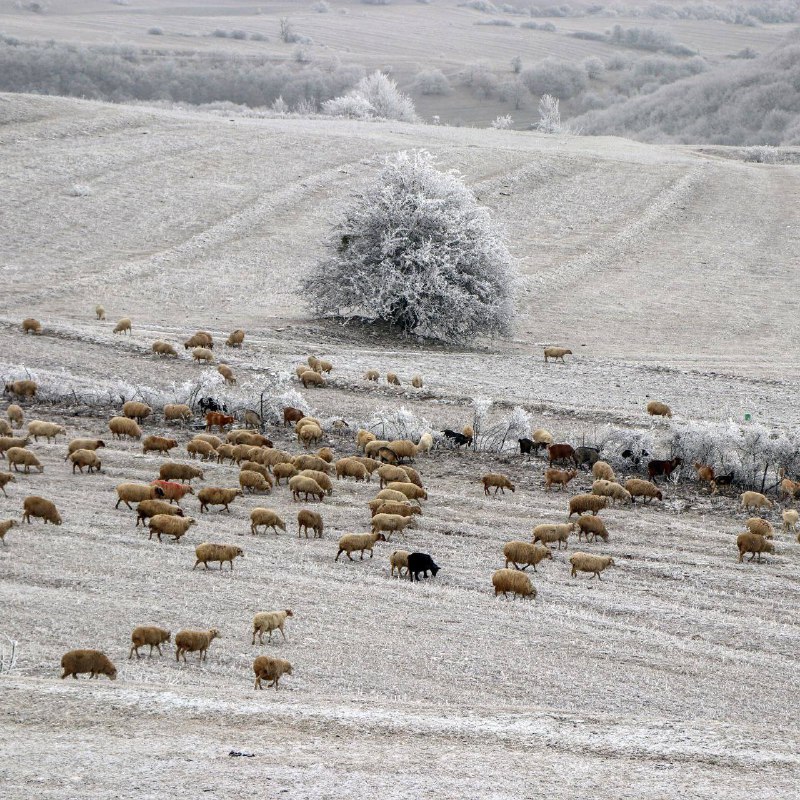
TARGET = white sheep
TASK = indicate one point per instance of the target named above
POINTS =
(269, 621)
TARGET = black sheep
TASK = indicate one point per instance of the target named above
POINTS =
(421, 562)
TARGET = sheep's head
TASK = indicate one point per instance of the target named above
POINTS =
(214, 634)
(288, 612)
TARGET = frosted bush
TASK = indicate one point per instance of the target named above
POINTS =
(350, 105)
(432, 82)
(397, 423)
(503, 433)
(80, 190)
(549, 115)
(380, 95)
(502, 123)
(417, 252)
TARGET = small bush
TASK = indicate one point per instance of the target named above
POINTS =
(480, 5)
(237, 34)
(551, 76)
(432, 82)
(502, 123)
(220, 34)
(155, 31)
(502, 23)
(538, 26)
(80, 190)
(258, 37)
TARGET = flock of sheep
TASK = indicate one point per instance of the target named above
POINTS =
(308, 476)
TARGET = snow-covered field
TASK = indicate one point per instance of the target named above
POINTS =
(668, 272)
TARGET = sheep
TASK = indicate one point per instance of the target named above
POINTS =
(266, 517)
(790, 518)
(311, 378)
(388, 456)
(22, 388)
(254, 482)
(269, 621)
(404, 509)
(558, 476)
(661, 467)
(137, 492)
(705, 474)
(410, 490)
(83, 444)
(254, 466)
(209, 551)
(100, 311)
(7, 442)
(270, 669)
(284, 471)
(371, 448)
(199, 339)
(31, 325)
(641, 488)
(76, 662)
(122, 426)
(416, 381)
(164, 349)
(588, 562)
(321, 478)
(272, 458)
(172, 471)
(6, 477)
(469, 434)
(215, 496)
(214, 441)
(5, 526)
(391, 474)
(500, 482)
(177, 411)
(421, 563)
(123, 326)
(300, 369)
(253, 419)
(458, 439)
(657, 409)
(198, 447)
(517, 552)
(561, 452)
(304, 420)
(586, 455)
(301, 484)
(202, 354)
(372, 375)
(309, 519)
(353, 542)
(602, 470)
(760, 526)
(556, 353)
(326, 454)
(225, 451)
(553, 532)
(390, 523)
(392, 379)
(542, 437)
(5, 428)
(219, 419)
(788, 489)
(291, 414)
(403, 448)
(323, 366)
(149, 508)
(35, 506)
(592, 525)
(755, 544)
(187, 641)
(313, 462)
(133, 409)
(371, 464)
(227, 373)
(399, 561)
(148, 634)
(20, 456)
(754, 500)
(310, 435)
(85, 458)
(235, 339)
(612, 490)
(49, 430)
(391, 495)
(363, 438)
(425, 444)
(170, 525)
(514, 581)
(158, 444)
(174, 492)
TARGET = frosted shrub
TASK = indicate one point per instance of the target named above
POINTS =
(350, 105)
(432, 82)
(397, 423)
(500, 434)
(416, 251)
(80, 190)
(549, 115)
(378, 94)
(502, 123)
(613, 442)
(280, 106)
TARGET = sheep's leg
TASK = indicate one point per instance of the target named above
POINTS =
(283, 634)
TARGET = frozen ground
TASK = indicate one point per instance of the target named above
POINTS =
(669, 274)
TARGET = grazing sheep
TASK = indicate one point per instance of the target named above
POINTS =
(657, 409)
(216, 496)
(266, 517)
(83, 444)
(403, 448)
(158, 444)
(593, 526)
(164, 349)
(49, 430)
(391, 474)
(149, 508)
(542, 437)
(372, 375)
(6, 477)
(311, 378)
(392, 495)
(269, 621)
(500, 482)
(214, 441)
(354, 542)
(322, 478)
(7, 442)
(754, 500)
(100, 311)
(199, 339)
(76, 662)
(558, 476)
(399, 561)
(640, 488)
(35, 506)
(392, 379)
(705, 474)
(148, 634)
(202, 354)
(524, 553)
(410, 490)
(219, 419)
(425, 443)
(404, 509)
(416, 381)
(326, 454)
(85, 458)
(19, 456)
(198, 447)
(253, 419)
(174, 492)
(254, 482)
(469, 434)
(235, 339)
(5, 526)
(788, 489)
(755, 544)
(561, 452)
(22, 388)
(323, 366)
(602, 470)
(301, 484)
(421, 563)
(177, 411)
(665, 468)
(388, 456)
(612, 490)
(170, 525)
(760, 526)
(133, 409)
(514, 581)
(556, 353)
(586, 455)
(313, 462)
(300, 369)
(136, 492)
(587, 562)
(227, 373)
(122, 426)
(790, 518)
(254, 466)
(309, 519)
(172, 471)
(187, 641)
(270, 669)
(123, 326)
(284, 471)
(371, 448)
(371, 464)
(310, 435)
(412, 475)
(306, 421)
(363, 438)
(5, 428)
(553, 532)
(391, 523)
(216, 552)
(226, 452)
(31, 325)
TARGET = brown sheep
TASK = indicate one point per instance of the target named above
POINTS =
(283, 471)
(209, 551)
(301, 484)
(553, 532)
(170, 525)
(705, 474)
(592, 525)
(391, 523)
(7, 442)
(149, 508)
(755, 544)
(76, 662)
(254, 482)
(514, 581)
(392, 379)
(49, 430)
(199, 339)
(172, 471)
(133, 409)
(372, 375)
(556, 353)
(500, 482)
(6, 477)
(148, 634)
(19, 456)
(587, 562)
(136, 492)
(524, 553)
(235, 339)
(216, 496)
(164, 349)
(657, 409)
(355, 542)
(158, 444)
(641, 488)
(187, 641)
(174, 492)
(83, 444)
(270, 669)
(586, 502)
(559, 477)
(309, 519)
(177, 412)
(227, 373)
(5, 526)
(31, 325)
(410, 490)
(22, 388)
(123, 326)
(85, 458)
(197, 447)
(122, 426)
(311, 378)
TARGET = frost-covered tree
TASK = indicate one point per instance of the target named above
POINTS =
(415, 250)
(375, 95)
